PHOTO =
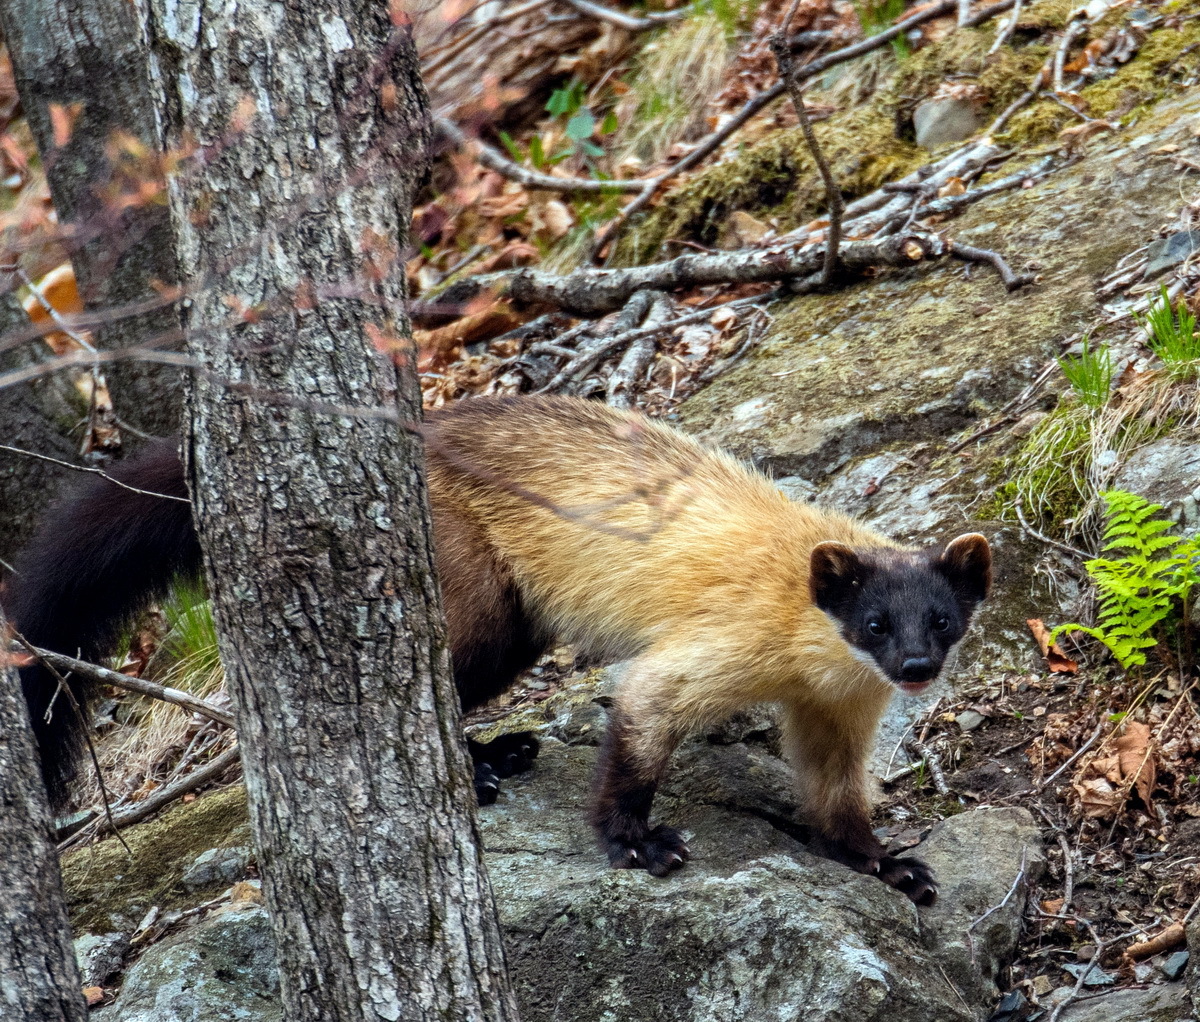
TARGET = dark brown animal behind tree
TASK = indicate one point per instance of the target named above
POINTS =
(565, 519)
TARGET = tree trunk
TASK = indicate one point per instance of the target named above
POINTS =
(93, 53)
(38, 416)
(39, 980)
(317, 537)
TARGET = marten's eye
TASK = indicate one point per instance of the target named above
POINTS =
(876, 627)
(941, 624)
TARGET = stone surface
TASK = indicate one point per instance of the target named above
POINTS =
(1165, 1003)
(100, 955)
(1168, 473)
(217, 865)
(945, 119)
(1164, 253)
(222, 969)
(755, 927)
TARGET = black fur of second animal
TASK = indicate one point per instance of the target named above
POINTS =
(566, 520)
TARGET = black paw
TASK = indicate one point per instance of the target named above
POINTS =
(660, 851)
(487, 784)
(909, 876)
(507, 754)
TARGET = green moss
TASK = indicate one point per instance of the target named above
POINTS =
(777, 178)
(109, 888)
(1154, 73)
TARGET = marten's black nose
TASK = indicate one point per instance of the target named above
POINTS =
(916, 668)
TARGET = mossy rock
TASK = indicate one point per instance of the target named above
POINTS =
(109, 888)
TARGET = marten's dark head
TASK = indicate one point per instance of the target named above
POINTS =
(903, 609)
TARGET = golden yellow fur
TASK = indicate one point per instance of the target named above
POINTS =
(652, 546)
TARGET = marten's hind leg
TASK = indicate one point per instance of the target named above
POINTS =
(662, 698)
(491, 639)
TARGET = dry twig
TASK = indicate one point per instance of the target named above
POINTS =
(103, 676)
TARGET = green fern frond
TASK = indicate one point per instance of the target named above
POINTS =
(1141, 589)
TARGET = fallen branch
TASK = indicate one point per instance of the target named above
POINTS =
(1012, 281)
(1038, 788)
(158, 799)
(494, 160)
(584, 361)
(103, 676)
(653, 19)
(1093, 962)
(1171, 938)
(833, 195)
(933, 763)
(593, 292)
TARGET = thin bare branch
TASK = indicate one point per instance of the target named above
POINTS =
(103, 676)
(88, 468)
(654, 19)
(1012, 281)
(492, 159)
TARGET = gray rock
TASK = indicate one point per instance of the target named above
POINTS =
(755, 927)
(100, 955)
(1168, 473)
(1093, 976)
(224, 865)
(222, 969)
(1165, 1003)
(1164, 253)
(946, 119)
(969, 720)
(1192, 973)
(1173, 966)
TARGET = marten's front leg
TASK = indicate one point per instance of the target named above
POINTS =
(829, 756)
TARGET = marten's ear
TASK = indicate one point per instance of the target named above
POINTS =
(836, 576)
(967, 565)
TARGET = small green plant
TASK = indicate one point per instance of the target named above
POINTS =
(877, 15)
(581, 124)
(1150, 581)
(1171, 335)
(191, 639)
(1090, 373)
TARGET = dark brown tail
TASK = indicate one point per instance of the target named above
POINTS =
(102, 553)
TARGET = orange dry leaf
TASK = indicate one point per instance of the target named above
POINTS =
(954, 186)
(62, 121)
(93, 996)
(1171, 938)
(443, 345)
(1056, 659)
(58, 288)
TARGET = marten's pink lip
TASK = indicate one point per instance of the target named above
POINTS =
(914, 688)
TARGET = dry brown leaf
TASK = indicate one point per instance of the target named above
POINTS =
(551, 218)
(1056, 659)
(1164, 150)
(93, 996)
(442, 345)
(723, 319)
(1052, 906)
(1171, 938)
(1136, 759)
(1097, 798)
(954, 186)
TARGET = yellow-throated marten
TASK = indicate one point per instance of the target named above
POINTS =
(565, 519)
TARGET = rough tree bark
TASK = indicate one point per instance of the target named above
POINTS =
(84, 63)
(36, 416)
(39, 980)
(315, 528)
